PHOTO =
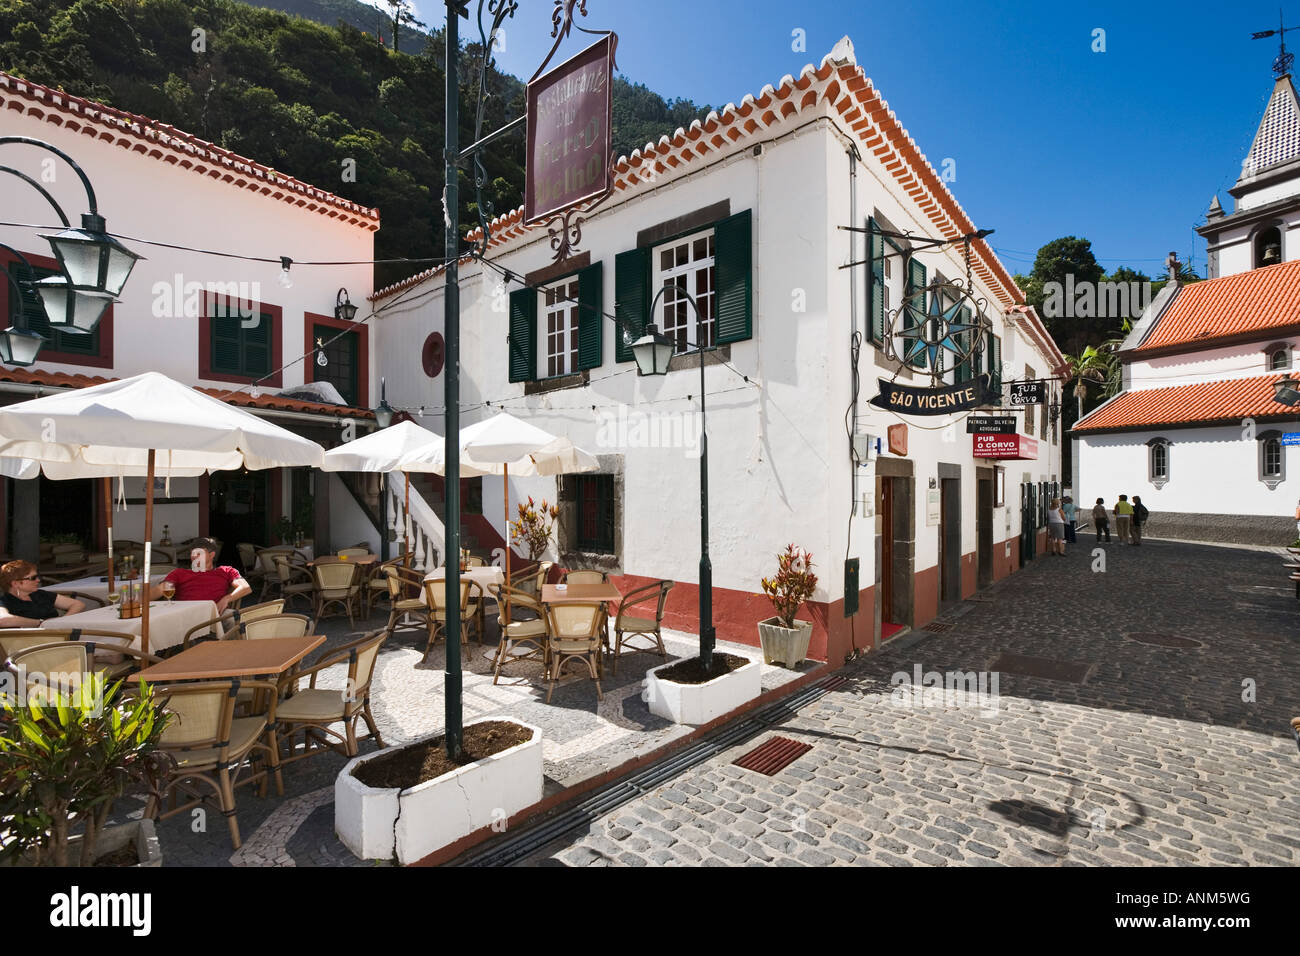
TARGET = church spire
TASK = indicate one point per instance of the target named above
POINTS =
(1278, 138)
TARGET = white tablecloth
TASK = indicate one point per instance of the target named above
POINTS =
(483, 576)
(94, 586)
(167, 624)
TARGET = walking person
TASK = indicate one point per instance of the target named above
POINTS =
(1055, 528)
(1124, 519)
(1140, 515)
(1101, 520)
(1067, 506)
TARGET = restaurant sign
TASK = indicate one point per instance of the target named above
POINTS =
(1007, 447)
(907, 400)
(569, 145)
(1028, 393)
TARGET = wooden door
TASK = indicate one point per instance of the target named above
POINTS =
(885, 508)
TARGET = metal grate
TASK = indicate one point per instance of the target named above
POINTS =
(937, 627)
(772, 757)
(1162, 640)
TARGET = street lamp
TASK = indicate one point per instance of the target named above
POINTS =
(345, 311)
(384, 413)
(18, 344)
(95, 266)
(653, 353)
(1286, 390)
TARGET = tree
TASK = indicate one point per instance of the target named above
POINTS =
(403, 15)
(1062, 265)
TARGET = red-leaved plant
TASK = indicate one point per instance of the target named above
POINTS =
(533, 527)
(792, 584)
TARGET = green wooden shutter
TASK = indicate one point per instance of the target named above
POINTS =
(965, 370)
(733, 258)
(995, 366)
(591, 316)
(631, 300)
(33, 312)
(876, 283)
(227, 356)
(257, 345)
(523, 335)
(916, 280)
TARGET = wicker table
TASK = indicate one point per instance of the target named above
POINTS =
(223, 659)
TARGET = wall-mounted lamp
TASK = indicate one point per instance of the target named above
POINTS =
(344, 310)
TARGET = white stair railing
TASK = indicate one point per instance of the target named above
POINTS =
(422, 524)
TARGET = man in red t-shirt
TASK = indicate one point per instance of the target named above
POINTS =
(223, 585)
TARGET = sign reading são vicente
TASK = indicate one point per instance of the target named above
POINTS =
(935, 401)
(569, 116)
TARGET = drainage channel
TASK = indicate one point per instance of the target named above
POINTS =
(609, 799)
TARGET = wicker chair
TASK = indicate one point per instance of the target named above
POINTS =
(312, 710)
(575, 635)
(253, 571)
(375, 583)
(227, 626)
(213, 747)
(75, 654)
(296, 581)
(585, 577)
(628, 626)
(400, 583)
(277, 625)
(268, 571)
(436, 594)
(337, 582)
(530, 632)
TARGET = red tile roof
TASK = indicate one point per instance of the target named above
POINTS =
(168, 144)
(853, 101)
(1231, 400)
(1261, 300)
(274, 402)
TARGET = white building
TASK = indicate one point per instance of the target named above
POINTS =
(1196, 432)
(156, 184)
(747, 209)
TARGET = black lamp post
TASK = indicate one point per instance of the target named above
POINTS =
(384, 413)
(345, 311)
(653, 353)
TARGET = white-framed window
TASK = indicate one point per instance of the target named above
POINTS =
(1158, 462)
(687, 264)
(1272, 458)
(560, 321)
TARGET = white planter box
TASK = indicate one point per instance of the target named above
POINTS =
(789, 645)
(696, 704)
(377, 824)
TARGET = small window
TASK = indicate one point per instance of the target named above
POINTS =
(687, 265)
(560, 318)
(1272, 458)
(1159, 461)
(595, 514)
(999, 487)
(241, 346)
(1279, 359)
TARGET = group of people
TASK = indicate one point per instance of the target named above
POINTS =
(1129, 519)
(24, 604)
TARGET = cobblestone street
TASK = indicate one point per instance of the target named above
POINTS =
(1141, 717)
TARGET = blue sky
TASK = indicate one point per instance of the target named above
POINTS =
(1124, 147)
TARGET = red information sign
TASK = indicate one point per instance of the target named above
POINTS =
(1011, 447)
(570, 110)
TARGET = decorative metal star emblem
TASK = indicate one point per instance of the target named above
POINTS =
(935, 328)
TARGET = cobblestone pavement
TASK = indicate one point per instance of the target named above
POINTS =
(1140, 753)
(581, 738)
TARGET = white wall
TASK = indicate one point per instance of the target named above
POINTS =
(1211, 471)
(1207, 365)
(348, 523)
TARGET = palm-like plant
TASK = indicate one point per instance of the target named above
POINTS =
(1091, 365)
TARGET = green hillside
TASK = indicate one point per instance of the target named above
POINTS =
(310, 100)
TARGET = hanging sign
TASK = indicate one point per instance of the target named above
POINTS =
(985, 425)
(907, 400)
(1008, 447)
(569, 146)
(1027, 393)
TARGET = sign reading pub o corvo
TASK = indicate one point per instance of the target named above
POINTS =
(1027, 393)
(907, 400)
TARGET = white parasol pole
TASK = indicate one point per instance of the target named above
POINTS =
(148, 544)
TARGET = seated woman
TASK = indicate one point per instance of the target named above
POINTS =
(223, 585)
(23, 604)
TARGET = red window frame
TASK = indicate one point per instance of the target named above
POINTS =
(105, 357)
(275, 379)
(310, 319)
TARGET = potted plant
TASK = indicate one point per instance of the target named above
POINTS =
(410, 801)
(784, 638)
(534, 527)
(284, 530)
(63, 765)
